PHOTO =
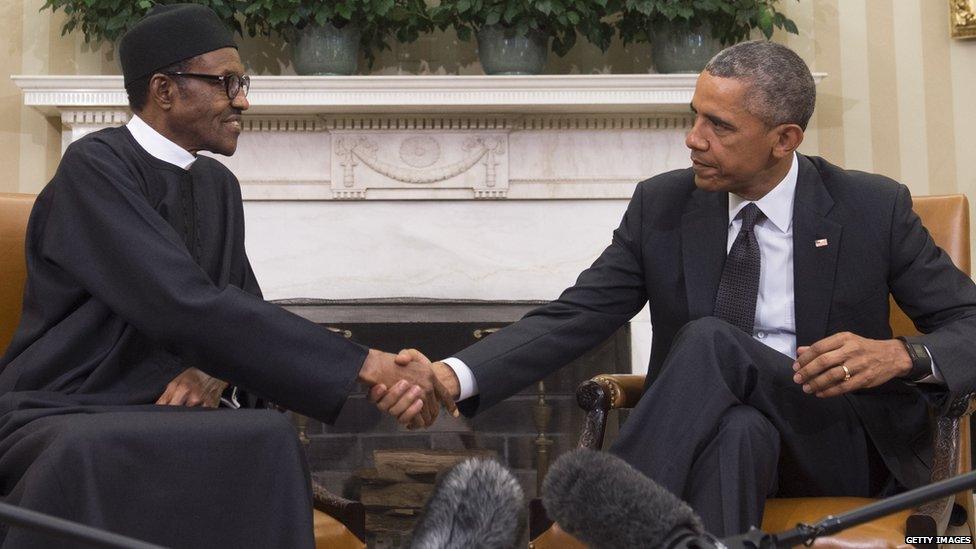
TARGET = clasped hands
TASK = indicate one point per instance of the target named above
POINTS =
(409, 387)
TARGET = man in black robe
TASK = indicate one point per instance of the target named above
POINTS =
(139, 291)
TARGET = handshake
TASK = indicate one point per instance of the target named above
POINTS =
(405, 385)
(409, 387)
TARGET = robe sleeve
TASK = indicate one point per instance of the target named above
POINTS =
(103, 233)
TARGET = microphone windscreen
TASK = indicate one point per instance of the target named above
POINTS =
(476, 505)
(604, 502)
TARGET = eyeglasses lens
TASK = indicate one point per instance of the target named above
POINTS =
(237, 84)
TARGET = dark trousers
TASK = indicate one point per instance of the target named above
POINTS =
(724, 427)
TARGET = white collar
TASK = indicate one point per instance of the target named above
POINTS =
(777, 204)
(155, 144)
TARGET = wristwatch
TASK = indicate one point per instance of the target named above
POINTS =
(921, 361)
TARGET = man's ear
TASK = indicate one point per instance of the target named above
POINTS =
(162, 91)
(788, 139)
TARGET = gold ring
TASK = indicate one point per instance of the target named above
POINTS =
(847, 373)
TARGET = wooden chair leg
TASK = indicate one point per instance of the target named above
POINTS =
(350, 513)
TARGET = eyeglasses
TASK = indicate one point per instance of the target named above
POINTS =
(233, 83)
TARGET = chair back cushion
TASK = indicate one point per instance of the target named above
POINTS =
(947, 220)
(14, 211)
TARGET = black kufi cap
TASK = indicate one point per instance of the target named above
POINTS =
(168, 34)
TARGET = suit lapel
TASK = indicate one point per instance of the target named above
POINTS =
(704, 237)
(816, 243)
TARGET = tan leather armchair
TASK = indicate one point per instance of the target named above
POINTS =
(339, 523)
(947, 219)
(14, 210)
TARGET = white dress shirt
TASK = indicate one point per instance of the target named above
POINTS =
(775, 324)
(155, 144)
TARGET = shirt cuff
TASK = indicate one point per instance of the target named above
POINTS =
(936, 377)
(469, 385)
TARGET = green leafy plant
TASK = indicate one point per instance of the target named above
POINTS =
(377, 20)
(109, 19)
(730, 21)
(558, 19)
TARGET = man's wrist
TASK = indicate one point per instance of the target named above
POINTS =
(919, 362)
(369, 373)
(445, 374)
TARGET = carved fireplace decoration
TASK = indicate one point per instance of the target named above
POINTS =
(395, 160)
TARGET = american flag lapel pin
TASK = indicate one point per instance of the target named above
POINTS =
(820, 242)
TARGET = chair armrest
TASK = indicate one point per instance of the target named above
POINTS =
(350, 513)
(932, 518)
(946, 449)
(624, 389)
(958, 405)
(598, 396)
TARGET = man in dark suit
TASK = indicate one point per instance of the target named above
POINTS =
(767, 274)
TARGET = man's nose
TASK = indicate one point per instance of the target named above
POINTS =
(694, 140)
(241, 102)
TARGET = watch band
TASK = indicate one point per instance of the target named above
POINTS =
(921, 360)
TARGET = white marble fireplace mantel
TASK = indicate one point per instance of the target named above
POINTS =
(449, 187)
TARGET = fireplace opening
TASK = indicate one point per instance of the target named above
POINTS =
(526, 432)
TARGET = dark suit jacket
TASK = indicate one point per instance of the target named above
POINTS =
(670, 249)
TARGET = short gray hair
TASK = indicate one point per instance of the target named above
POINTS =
(783, 91)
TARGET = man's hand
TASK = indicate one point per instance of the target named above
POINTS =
(444, 373)
(822, 367)
(193, 388)
(410, 393)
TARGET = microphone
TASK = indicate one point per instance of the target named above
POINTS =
(477, 504)
(604, 502)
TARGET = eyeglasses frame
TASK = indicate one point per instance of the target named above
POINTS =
(245, 81)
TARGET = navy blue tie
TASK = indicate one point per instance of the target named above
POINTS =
(739, 288)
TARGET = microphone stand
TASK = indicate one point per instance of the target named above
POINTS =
(805, 534)
(68, 530)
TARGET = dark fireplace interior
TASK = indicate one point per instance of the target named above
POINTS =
(526, 432)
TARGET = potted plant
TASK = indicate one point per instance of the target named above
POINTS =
(513, 36)
(108, 20)
(327, 36)
(685, 34)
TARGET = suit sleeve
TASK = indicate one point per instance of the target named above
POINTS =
(103, 233)
(938, 297)
(605, 296)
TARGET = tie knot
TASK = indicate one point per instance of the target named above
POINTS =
(750, 215)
